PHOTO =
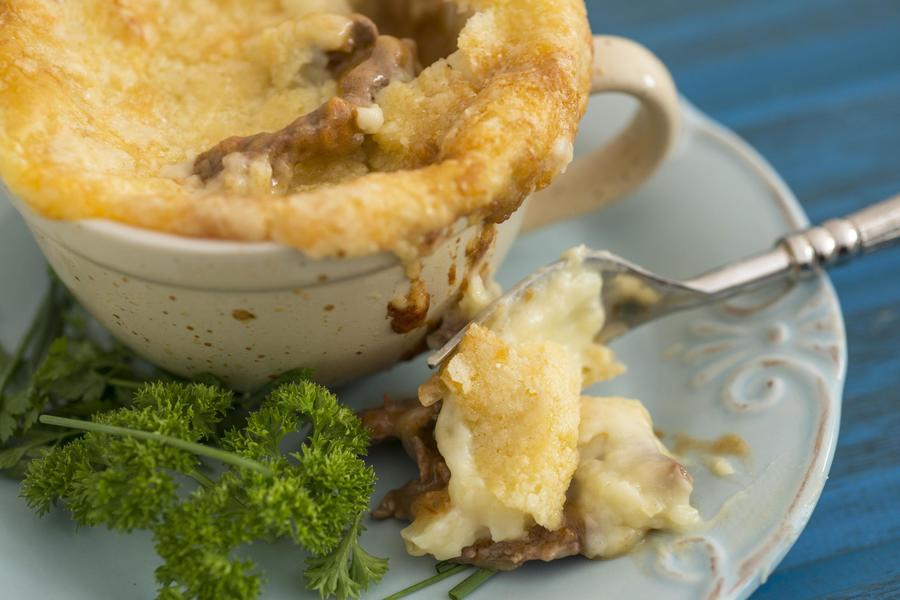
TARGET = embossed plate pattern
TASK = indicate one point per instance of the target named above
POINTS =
(769, 368)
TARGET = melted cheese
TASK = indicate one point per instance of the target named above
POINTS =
(627, 483)
(520, 441)
(478, 296)
(565, 309)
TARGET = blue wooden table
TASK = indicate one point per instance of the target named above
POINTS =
(815, 86)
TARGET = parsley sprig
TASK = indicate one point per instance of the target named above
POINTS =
(122, 473)
(57, 366)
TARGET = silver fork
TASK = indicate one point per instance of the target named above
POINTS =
(633, 296)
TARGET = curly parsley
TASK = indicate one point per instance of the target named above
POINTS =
(131, 469)
(57, 366)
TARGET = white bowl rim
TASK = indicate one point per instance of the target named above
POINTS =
(218, 264)
(160, 240)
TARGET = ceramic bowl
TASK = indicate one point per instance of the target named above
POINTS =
(245, 312)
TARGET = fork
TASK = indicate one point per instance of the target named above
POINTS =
(633, 296)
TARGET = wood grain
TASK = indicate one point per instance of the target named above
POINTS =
(815, 86)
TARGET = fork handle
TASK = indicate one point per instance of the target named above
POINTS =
(803, 253)
(837, 240)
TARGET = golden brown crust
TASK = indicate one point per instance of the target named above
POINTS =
(86, 133)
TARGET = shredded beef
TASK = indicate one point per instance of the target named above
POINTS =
(413, 425)
(538, 544)
(366, 64)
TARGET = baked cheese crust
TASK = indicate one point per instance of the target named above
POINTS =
(508, 430)
(103, 102)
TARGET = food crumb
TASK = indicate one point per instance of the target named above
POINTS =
(719, 466)
(728, 444)
(242, 315)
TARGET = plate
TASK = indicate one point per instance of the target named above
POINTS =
(769, 368)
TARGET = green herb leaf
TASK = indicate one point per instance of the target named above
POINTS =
(4, 359)
(30, 447)
(72, 375)
(10, 457)
(123, 482)
(44, 327)
(348, 570)
(14, 406)
(254, 399)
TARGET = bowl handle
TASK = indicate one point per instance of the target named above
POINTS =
(625, 67)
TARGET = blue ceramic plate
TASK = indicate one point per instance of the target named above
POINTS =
(769, 368)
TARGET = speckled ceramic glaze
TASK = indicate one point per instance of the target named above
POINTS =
(768, 367)
(246, 312)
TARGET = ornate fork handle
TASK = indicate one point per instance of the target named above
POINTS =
(840, 239)
(800, 254)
